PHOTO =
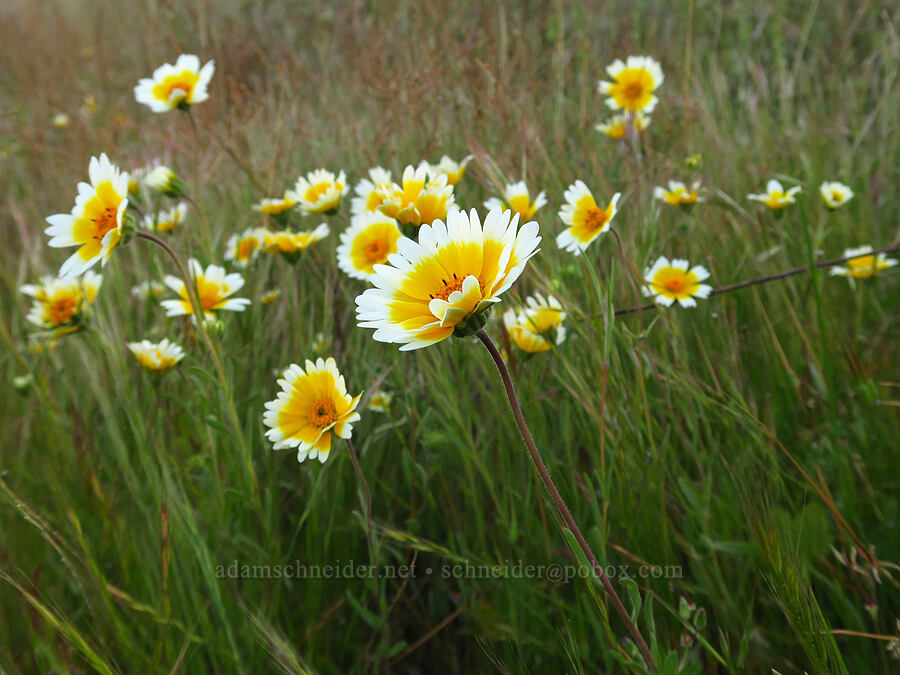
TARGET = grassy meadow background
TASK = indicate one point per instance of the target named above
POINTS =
(722, 440)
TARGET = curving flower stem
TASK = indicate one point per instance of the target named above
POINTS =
(190, 286)
(558, 500)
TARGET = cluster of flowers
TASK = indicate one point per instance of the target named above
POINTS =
(434, 269)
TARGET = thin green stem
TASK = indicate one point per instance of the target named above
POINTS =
(190, 285)
(558, 502)
(370, 539)
(370, 536)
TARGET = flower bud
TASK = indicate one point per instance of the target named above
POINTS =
(163, 180)
(214, 326)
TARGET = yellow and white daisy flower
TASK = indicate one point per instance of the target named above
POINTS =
(312, 406)
(775, 197)
(678, 194)
(368, 198)
(443, 283)
(175, 86)
(97, 221)
(380, 401)
(634, 82)
(270, 296)
(616, 126)
(291, 244)
(585, 218)
(242, 249)
(835, 194)
(452, 169)
(156, 356)
(148, 290)
(321, 343)
(369, 240)
(167, 219)
(319, 191)
(865, 265)
(136, 181)
(517, 198)
(418, 200)
(61, 302)
(277, 208)
(214, 287)
(675, 281)
(538, 325)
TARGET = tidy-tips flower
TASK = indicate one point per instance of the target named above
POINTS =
(585, 218)
(242, 249)
(61, 302)
(536, 326)
(775, 197)
(270, 296)
(418, 199)
(312, 406)
(443, 284)
(148, 290)
(616, 126)
(369, 240)
(178, 85)
(319, 191)
(166, 220)
(368, 198)
(679, 194)
(214, 286)
(380, 401)
(633, 84)
(156, 356)
(97, 222)
(835, 194)
(291, 244)
(863, 263)
(275, 207)
(449, 167)
(517, 197)
(668, 282)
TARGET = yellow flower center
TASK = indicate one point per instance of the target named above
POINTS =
(61, 311)
(322, 413)
(836, 196)
(184, 81)
(376, 251)
(313, 192)
(210, 293)
(105, 221)
(595, 219)
(864, 264)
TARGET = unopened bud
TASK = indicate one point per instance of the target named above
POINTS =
(22, 383)
(214, 326)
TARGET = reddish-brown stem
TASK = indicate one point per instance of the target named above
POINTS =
(557, 499)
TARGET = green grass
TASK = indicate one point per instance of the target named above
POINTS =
(677, 438)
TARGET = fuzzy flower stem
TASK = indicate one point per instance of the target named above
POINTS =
(190, 286)
(558, 500)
